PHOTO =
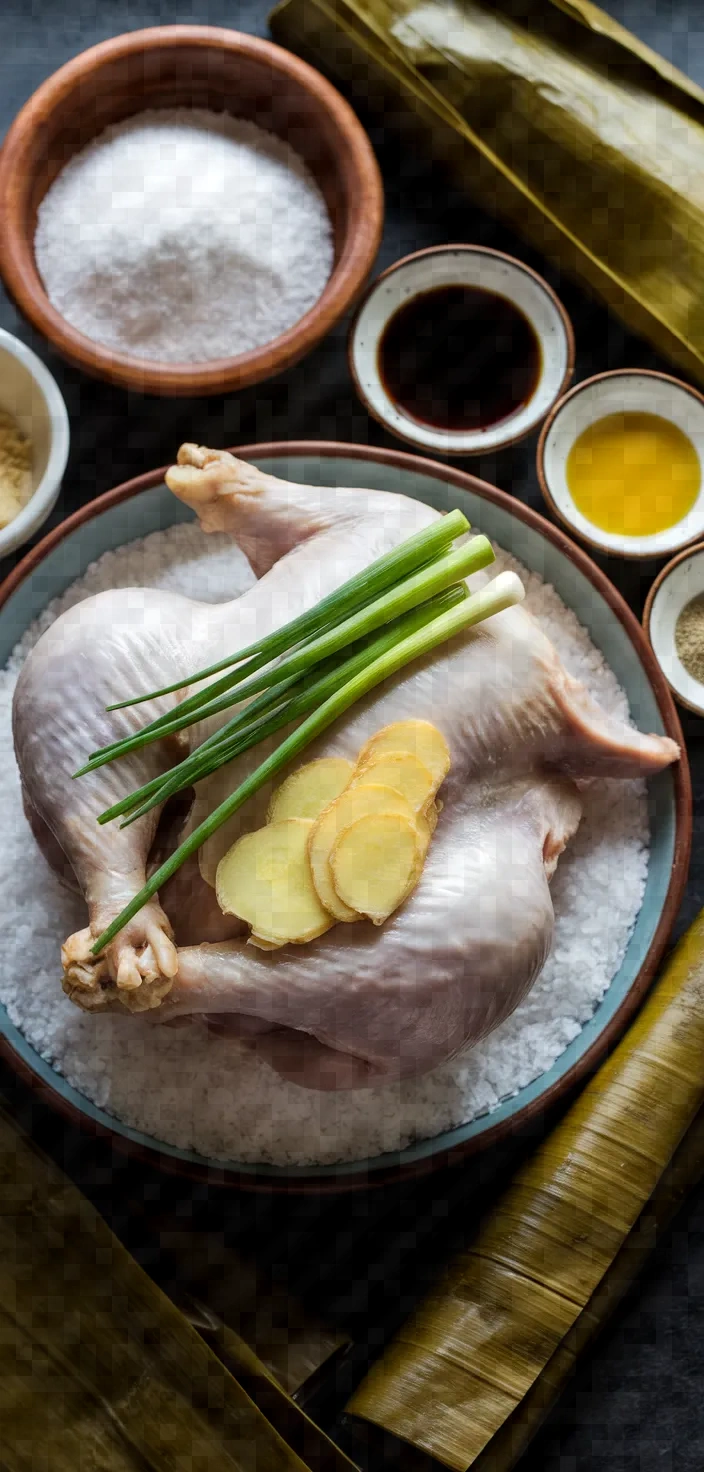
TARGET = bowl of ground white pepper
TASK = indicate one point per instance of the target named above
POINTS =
(673, 620)
(34, 441)
(187, 209)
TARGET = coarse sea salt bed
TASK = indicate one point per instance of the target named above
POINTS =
(200, 1092)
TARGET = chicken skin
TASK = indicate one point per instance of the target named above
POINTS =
(360, 1005)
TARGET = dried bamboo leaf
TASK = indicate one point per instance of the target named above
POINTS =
(555, 117)
(97, 1368)
(686, 1168)
(509, 1307)
(292, 1344)
(297, 1429)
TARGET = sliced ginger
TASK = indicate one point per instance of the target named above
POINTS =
(354, 803)
(263, 942)
(376, 862)
(343, 841)
(265, 878)
(420, 739)
(401, 771)
(309, 790)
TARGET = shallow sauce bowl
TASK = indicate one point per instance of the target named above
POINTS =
(680, 581)
(143, 506)
(473, 266)
(625, 390)
(204, 67)
(30, 394)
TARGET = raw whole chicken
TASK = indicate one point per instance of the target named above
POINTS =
(360, 1005)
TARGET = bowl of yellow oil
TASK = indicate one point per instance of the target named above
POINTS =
(621, 463)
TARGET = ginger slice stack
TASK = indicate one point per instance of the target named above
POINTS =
(343, 841)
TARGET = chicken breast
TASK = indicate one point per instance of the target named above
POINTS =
(360, 1005)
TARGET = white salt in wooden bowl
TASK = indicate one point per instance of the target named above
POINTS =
(221, 70)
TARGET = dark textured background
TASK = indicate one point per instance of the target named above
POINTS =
(636, 1404)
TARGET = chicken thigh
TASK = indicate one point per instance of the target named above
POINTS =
(360, 1005)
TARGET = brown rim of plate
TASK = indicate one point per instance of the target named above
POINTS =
(18, 268)
(363, 1179)
(438, 250)
(692, 549)
(540, 459)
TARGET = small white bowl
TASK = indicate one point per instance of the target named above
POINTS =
(673, 589)
(462, 265)
(28, 391)
(629, 390)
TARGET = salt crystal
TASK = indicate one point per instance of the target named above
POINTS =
(184, 235)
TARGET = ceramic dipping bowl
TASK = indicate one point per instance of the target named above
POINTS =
(30, 394)
(680, 581)
(203, 67)
(626, 390)
(473, 266)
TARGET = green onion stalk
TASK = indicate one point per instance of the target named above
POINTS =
(409, 593)
(423, 547)
(502, 592)
(240, 733)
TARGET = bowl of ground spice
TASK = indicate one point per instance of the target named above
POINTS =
(673, 620)
(187, 210)
(34, 441)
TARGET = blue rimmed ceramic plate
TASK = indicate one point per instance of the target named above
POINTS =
(144, 505)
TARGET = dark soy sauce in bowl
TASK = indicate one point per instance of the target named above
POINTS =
(459, 358)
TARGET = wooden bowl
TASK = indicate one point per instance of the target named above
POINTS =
(144, 505)
(198, 66)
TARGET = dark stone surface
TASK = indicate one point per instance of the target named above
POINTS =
(636, 1404)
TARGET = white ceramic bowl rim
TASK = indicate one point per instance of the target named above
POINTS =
(455, 264)
(621, 390)
(679, 582)
(43, 498)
